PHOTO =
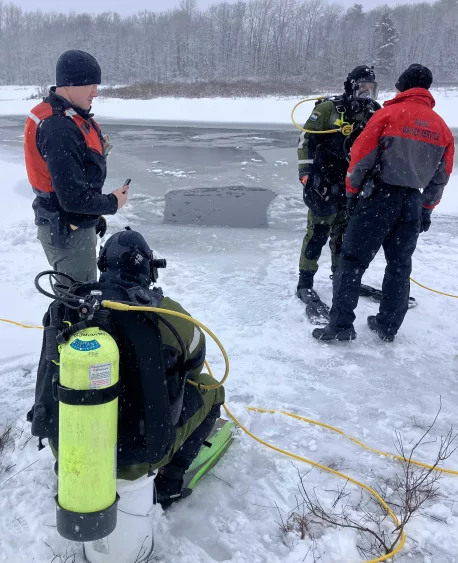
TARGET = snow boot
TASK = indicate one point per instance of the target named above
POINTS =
(169, 486)
(374, 325)
(331, 333)
(304, 286)
(307, 295)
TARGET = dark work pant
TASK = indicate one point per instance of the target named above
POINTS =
(390, 218)
(78, 259)
(184, 457)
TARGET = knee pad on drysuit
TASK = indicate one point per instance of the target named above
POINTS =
(315, 245)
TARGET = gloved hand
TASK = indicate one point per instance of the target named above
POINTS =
(425, 220)
(101, 227)
(352, 200)
(304, 179)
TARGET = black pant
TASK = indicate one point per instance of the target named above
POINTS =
(390, 218)
(184, 457)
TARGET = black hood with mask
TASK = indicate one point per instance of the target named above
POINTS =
(127, 259)
(362, 74)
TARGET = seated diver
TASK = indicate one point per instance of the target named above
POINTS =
(181, 416)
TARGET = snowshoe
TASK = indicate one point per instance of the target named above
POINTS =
(376, 294)
(316, 311)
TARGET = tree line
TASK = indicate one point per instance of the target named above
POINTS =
(310, 42)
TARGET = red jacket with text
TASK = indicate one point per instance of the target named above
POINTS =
(411, 145)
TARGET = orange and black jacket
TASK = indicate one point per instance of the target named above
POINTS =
(66, 164)
(409, 143)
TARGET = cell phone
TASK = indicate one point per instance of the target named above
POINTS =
(127, 182)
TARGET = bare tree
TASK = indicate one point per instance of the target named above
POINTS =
(406, 494)
(5, 437)
(312, 42)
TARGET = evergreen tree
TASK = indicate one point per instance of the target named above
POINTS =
(386, 39)
(354, 30)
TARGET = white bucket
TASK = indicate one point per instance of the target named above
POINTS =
(133, 539)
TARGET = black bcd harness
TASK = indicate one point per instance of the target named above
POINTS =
(148, 412)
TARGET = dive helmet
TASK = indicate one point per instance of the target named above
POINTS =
(361, 83)
(128, 255)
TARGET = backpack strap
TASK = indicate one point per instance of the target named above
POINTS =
(153, 298)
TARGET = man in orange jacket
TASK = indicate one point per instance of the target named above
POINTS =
(65, 155)
(399, 166)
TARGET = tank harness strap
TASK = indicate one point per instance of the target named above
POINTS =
(177, 405)
(341, 103)
(87, 397)
(148, 392)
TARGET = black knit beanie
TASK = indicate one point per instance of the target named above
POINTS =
(416, 76)
(77, 68)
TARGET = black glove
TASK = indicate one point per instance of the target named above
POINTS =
(303, 179)
(352, 200)
(425, 220)
(101, 227)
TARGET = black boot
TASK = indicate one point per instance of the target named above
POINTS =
(307, 295)
(374, 325)
(331, 333)
(305, 285)
(169, 486)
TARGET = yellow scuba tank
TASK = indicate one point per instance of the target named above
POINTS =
(88, 417)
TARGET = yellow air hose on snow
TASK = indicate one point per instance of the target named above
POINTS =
(124, 307)
(434, 290)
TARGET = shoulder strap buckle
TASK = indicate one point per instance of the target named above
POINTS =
(146, 297)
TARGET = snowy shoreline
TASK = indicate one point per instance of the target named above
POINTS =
(185, 111)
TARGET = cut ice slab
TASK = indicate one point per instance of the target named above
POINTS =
(227, 206)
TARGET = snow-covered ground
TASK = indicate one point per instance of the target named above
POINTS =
(241, 284)
(214, 110)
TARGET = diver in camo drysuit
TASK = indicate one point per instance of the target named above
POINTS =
(128, 266)
(200, 408)
(323, 164)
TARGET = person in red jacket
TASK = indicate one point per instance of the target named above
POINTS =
(399, 166)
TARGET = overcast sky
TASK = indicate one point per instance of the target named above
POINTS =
(133, 6)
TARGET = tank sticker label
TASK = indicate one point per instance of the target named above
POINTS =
(101, 546)
(84, 346)
(99, 376)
